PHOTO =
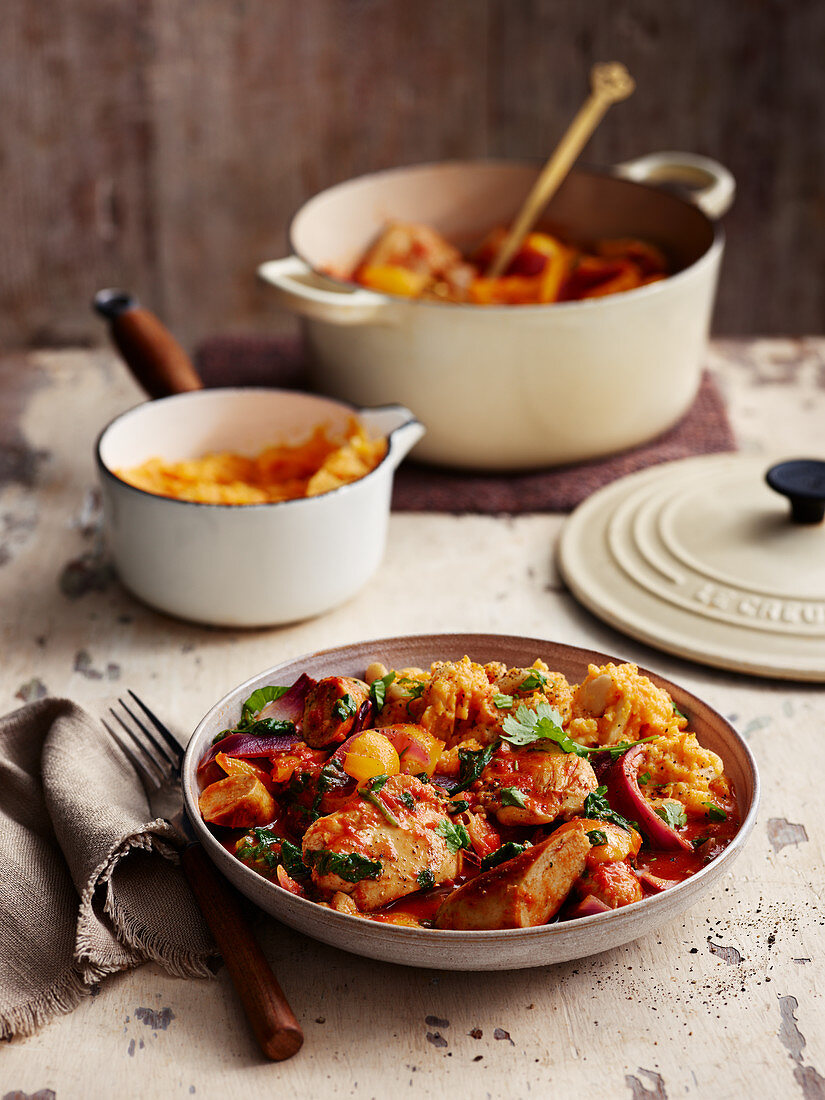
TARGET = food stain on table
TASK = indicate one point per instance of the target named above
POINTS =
(782, 833)
(640, 1091)
(729, 954)
(809, 1080)
(156, 1019)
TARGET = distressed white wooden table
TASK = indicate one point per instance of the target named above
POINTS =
(725, 1003)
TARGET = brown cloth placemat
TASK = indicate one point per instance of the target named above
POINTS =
(278, 361)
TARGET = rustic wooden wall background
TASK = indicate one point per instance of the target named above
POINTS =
(162, 145)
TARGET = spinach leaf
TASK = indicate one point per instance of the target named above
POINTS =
(426, 879)
(258, 700)
(597, 806)
(350, 866)
(472, 763)
(507, 851)
(378, 689)
(512, 796)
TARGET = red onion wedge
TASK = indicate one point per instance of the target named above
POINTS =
(588, 907)
(247, 746)
(623, 785)
(658, 885)
(290, 707)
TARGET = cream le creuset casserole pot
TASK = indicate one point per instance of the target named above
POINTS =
(513, 387)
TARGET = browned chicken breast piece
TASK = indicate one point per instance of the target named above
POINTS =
(534, 786)
(387, 842)
(521, 893)
(330, 709)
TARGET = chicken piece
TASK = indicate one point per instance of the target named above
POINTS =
(535, 786)
(616, 703)
(330, 709)
(383, 844)
(414, 247)
(522, 892)
(237, 802)
(613, 883)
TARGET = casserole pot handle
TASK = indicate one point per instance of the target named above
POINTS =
(294, 289)
(703, 181)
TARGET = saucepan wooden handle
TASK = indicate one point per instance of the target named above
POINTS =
(149, 349)
(265, 1005)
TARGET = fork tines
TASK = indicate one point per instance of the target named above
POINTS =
(159, 766)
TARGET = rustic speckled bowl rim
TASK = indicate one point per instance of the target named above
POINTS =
(441, 938)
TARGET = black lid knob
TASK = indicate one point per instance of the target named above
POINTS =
(802, 481)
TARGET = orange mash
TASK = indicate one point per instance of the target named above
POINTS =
(282, 472)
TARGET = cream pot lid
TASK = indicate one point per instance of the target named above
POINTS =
(703, 558)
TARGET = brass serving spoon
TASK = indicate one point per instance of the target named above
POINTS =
(610, 82)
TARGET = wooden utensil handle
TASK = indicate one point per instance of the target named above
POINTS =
(151, 352)
(265, 1005)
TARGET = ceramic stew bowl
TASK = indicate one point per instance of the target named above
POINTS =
(513, 387)
(251, 564)
(454, 950)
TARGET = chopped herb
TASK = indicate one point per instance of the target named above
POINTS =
(644, 778)
(413, 689)
(620, 748)
(672, 813)
(407, 799)
(292, 860)
(457, 806)
(597, 836)
(264, 851)
(370, 794)
(426, 879)
(677, 711)
(328, 774)
(221, 735)
(699, 841)
(542, 724)
(472, 763)
(507, 851)
(258, 700)
(534, 680)
(716, 813)
(422, 777)
(597, 806)
(269, 726)
(503, 702)
(454, 834)
(512, 796)
(378, 689)
(350, 866)
(345, 708)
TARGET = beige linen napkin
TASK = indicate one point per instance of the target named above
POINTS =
(88, 881)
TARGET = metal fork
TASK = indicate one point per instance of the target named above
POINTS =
(158, 761)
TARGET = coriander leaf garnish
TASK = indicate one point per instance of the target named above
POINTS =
(644, 778)
(345, 708)
(378, 689)
(716, 813)
(534, 680)
(672, 813)
(413, 689)
(507, 851)
(512, 796)
(454, 833)
(597, 806)
(258, 700)
(597, 836)
(677, 711)
(407, 799)
(699, 841)
(350, 866)
(542, 724)
(472, 763)
(457, 806)
(503, 702)
(426, 879)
